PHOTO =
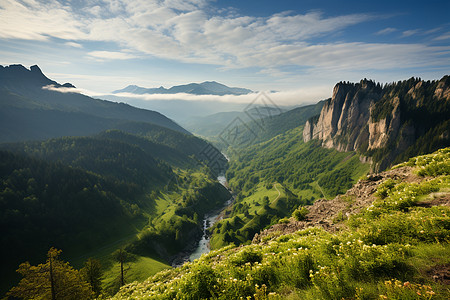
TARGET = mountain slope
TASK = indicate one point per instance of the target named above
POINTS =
(215, 124)
(204, 88)
(264, 123)
(389, 123)
(35, 107)
(383, 249)
(146, 192)
(271, 179)
(44, 204)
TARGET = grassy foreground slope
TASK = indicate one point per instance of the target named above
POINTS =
(394, 247)
(273, 178)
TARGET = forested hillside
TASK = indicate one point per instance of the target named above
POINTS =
(145, 192)
(259, 124)
(48, 204)
(273, 178)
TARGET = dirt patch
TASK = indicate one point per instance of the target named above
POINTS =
(440, 273)
(438, 199)
(329, 214)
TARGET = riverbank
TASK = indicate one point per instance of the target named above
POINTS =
(195, 250)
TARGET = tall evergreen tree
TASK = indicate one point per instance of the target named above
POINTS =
(122, 256)
(92, 272)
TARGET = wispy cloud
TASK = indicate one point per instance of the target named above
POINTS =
(386, 31)
(73, 44)
(285, 98)
(443, 37)
(64, 90)
(410, 32)
(183, 31)
(110, 55)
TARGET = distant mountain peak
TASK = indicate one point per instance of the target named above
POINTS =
(204, 88)
(68, 85)
(17, 73)
(36, 69)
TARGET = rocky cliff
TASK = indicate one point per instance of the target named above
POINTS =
(384, 123)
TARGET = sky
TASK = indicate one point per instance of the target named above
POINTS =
(298, 48)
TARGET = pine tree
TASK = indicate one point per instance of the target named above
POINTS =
(92, 273)
(53, 280)
(122, 256)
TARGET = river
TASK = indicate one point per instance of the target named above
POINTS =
(208, 221)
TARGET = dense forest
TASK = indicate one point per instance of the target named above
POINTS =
(79, 193)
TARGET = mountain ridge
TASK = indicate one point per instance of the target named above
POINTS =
(204, 88)
(28, 110)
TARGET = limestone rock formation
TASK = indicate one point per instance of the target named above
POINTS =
(383, 121)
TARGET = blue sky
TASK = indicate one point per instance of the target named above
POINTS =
(299, 47)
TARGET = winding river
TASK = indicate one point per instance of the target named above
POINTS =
(208, 221)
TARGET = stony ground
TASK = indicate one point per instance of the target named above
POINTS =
(329, 213)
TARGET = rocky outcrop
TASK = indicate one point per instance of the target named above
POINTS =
(329, 214)
(342, 123)
(368, 118)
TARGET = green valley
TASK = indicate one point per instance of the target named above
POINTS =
(274, 177)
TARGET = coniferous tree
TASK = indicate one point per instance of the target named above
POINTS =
(122, 256)
(92, 273)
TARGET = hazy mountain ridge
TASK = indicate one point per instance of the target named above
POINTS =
(387, 123)
(28, 111)
(213, 125)
(204, 88)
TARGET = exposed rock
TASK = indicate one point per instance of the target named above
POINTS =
(443, 89)
(328, 214)
(367, 117)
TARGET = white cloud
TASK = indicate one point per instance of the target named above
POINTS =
(36, 20)
(410, 32)
(284, 98)
(64, 90)
(386, 31)
(445, 36)
(181, 30)
(73, 44)
(109, 55)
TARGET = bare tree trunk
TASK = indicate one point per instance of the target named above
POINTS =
(52, 280)
(122, 281)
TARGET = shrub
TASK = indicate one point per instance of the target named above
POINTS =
(200, 283)
(300, 213)
(294, 269)
(331, 284)
(247, 256)
(395, 289)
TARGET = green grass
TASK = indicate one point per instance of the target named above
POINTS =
(138, 270)
(303, 172)
(386, 253)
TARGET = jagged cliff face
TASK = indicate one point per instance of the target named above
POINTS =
(382, 121)
(343, 119)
